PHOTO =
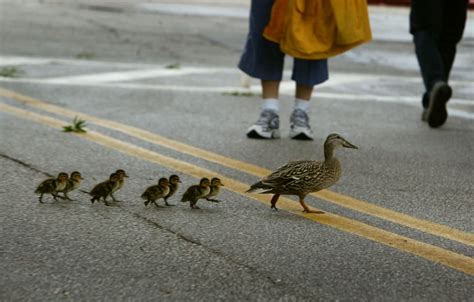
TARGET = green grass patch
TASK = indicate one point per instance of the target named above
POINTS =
(76, 127)
(85, 55)
(173, 66)
(10, 72)
(240, 94)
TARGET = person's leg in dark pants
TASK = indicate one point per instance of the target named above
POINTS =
(437, 27)
(454, 20)
(425, 25)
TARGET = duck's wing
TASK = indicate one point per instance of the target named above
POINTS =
(280, 178)
(99, 188)
(291, 171)
(296, 176)
(313, 176)
(47, 186)
(148, 192)
(191, 193)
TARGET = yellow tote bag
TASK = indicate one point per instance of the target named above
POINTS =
(318, 29)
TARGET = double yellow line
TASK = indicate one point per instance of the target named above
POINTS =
(430, 252)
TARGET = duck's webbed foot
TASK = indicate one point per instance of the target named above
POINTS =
(274, 201)
(55, 196)
(105, 202)
(213, 200)
(114, 199)
(67, 197)
(168, 204)
(307, 210)
(157, 205)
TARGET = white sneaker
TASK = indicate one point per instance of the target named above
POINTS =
(299, 125)
(267, 126)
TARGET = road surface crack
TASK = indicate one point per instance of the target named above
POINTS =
(20, 162)
(180, 236)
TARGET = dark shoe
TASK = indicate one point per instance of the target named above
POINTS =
(436, 114)
(267, 126)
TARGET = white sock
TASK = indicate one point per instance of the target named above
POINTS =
(302, 104)
(272, 104)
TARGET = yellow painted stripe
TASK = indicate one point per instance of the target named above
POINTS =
(333, 197)
(436, 254)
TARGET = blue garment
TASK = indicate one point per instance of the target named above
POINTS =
(264, 60)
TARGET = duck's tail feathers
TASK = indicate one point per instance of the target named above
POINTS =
(259, 188)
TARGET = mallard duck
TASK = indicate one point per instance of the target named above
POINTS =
(216, 185)
(153, 193)
(304, 176)
(196, 192)
(119, 184)
(104, 189)
(73, 183)
(52, 186)
(174, 182)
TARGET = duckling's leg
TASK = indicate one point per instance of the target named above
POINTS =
(113, 198)
(213, 200)
(105, 201)
(157, 205)
(41, 198)
(146, 202)
(193, 204)
(67, 197)
(306, 209)
(274, 201)
(166, 203)
(55, 196)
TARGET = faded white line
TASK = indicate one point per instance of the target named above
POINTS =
(132, 75)
(255, 89)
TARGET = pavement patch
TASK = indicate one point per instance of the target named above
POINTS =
(329, 196)
(438, 255)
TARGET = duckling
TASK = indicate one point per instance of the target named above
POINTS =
(216, 185)
(104, 189)
(196, 192)
(119, 184)
(52, 186)
(304, 176)
(153, 193)
(174, 182)
(72, 184)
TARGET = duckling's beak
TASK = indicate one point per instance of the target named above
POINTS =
(179, 181)
(346, 144)
(125, 176)
(80, 177)
(222, 184)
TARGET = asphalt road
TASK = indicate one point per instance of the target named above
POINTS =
(158, 87)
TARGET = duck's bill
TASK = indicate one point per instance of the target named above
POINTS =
(349, 145)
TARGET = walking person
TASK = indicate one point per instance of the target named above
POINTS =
(263, 57)
(264, 60)
(437, 27)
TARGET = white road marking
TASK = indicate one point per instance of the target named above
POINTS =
(122, 79)
(133, 75)
(255, 89)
